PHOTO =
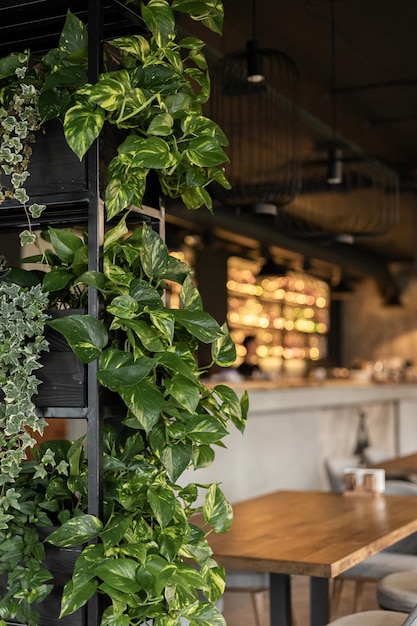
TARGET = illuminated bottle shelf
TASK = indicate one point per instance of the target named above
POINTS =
(288, 314)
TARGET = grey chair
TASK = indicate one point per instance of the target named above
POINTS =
(402, 556)
(377, 618)
(254, 583)
(372, 456)
(398, 591)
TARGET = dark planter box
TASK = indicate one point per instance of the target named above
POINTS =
(63, 375)
(60, 562)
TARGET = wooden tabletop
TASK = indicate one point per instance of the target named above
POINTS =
(399, 466)
(312, 533)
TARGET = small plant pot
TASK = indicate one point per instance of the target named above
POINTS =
(60, 562)
(63, 376)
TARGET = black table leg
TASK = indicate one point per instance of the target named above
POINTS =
(319, 601)
(280, 598)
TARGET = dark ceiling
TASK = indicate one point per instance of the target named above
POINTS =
(358, 80)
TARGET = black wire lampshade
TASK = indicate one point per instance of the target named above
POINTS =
(254, 100)
(364, 203)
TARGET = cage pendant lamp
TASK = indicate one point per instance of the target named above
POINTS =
(254, 99)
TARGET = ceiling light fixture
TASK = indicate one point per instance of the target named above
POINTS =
(254, 99)
(335, 152)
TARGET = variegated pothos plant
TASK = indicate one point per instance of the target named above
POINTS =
(147, 557)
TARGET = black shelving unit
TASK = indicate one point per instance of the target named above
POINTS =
(70, 189)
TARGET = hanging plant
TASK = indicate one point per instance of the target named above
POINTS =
(22, 341)
(19, 121)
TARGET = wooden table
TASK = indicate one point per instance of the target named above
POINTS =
(316, 534)
(399, 466)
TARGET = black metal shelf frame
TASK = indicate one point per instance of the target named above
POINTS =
(36, 24)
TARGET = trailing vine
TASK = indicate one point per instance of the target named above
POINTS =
(22, 341)
(19, 120)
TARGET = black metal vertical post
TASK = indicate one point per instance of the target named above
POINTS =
(95, 236)
(280, 600)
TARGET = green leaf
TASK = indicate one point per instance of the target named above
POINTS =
(176, 458)
(124, 307)
(146, 334)
(170, 541)
(74, 35)
(223, 350)
(82, 126)
(190, 296)
(65, 243)
(205, 152)
(195, 198)
(120, 574)
(115, 378)
(177, 365)
(209, 12)
(159, 18)
(85, 334)
(136, 45)
(154, 254)
(163, 503)
(145, 294)
(217, 510)
(147, 152)
(118, 196)
(204, 614)
(110, 91)
(203, 456)
(75, 596)
(145, 402)
(155, 574)
(205, 429)
(76, 531)
(161, 125)
(164, 322)
(199, 323)
(10, 63)
(58, 278)
(185, 392)
(232, 407)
